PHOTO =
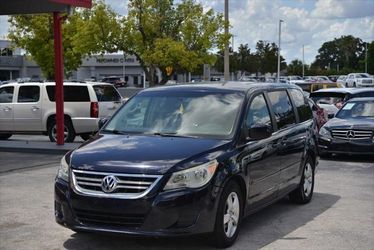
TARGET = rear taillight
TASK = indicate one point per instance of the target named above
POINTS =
(94, 109)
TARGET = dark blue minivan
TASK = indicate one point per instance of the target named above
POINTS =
(190, 159)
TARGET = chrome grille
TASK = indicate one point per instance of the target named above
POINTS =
(367, 81)
(351, 134)
(128, 186)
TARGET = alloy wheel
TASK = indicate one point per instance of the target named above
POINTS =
(231, 214)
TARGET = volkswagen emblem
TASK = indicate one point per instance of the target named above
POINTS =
(109, 183)
(351, 134)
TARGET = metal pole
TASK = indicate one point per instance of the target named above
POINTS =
(303, 61)
(366, 57)
(59, 69)
(123, 68)
(279, 49)
(226, 56)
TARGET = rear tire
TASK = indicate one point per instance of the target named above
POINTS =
(304, 192)
(5, 136)
(229, 216)
(354, 85)
(69, 133)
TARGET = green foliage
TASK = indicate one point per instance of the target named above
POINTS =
(346, 51)
(34, 33)
(263, 60)
(370, 63)
(295, 67)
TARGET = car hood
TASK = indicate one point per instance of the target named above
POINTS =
(337, 123)
(140, 154)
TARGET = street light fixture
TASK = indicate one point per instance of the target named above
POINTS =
(279, 49)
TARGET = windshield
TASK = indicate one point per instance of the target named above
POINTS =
(184, 114)
(362, 76)
(358, 109)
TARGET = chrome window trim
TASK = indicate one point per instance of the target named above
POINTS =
(130, 196)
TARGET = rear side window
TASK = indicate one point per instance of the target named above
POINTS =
(71, 93)
(258, 113)
(282, 108)
(29, 94)
(302, 106)
(105, 93)
(6, 94)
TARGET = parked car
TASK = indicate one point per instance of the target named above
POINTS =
(248, 79)
(295, 79)
(333, 78)
(115, 80)
(351, 131)
(190, 159)
(341, 80)
(359, 80)
(333, 98)
(30, 107)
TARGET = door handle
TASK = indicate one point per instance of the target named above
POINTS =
(34, 108)
(112, 108)
(7, 109)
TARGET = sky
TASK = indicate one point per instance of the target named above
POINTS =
(306, 22)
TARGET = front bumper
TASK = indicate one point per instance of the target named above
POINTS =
(171, 213)
(340, 146)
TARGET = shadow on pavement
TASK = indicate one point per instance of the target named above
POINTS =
(258, 230)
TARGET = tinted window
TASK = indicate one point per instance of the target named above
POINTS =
(6, 94)
(71, 93)
(29, 94)
(282, 108)
(106, 93)
(258, 113)
(302, 106)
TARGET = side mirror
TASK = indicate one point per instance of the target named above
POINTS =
(259, 132)
(102, 122)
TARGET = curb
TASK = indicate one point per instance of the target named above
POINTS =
(36, 147)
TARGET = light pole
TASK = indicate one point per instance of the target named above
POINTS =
(303, 62)
(226, 56)
(366, 57)
(279, 49)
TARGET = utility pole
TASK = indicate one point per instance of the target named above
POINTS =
(226, 57)
(279, 49)
(366, 57)
(303, 62)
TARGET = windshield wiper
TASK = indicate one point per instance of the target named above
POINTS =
(115, 131)
(173, 135)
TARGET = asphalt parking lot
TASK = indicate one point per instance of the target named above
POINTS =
(340, 216)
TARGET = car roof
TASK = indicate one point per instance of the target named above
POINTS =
(344, 90)
(53, 83)
(238, 86)
(361, 99)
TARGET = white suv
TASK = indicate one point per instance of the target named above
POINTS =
(359, 80)
(30, 107)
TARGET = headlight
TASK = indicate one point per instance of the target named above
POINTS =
(323, 132)
(63, 170)
(193, 177)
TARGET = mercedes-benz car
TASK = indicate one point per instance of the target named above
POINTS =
(190, 159)
(351, 131)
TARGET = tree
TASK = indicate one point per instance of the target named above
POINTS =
(151, 24)
(34, 33)
(343, 52)
(295, 67)
(370, 62)
(267, 55)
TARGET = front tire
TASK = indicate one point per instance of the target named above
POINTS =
(69, 133)
(229, 215)
(304, 192)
